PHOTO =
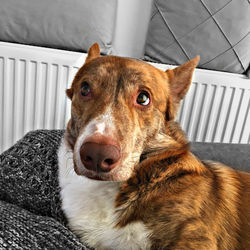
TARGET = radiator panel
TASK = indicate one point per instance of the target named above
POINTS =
(32, 91)
(216, 113)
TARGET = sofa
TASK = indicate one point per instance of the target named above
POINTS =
(30, 206)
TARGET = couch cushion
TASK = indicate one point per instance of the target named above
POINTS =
(62, 24)
(236, 156)
(218, 31)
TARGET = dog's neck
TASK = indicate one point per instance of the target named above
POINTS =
(153, 173)
(170, 147)
(174, 158)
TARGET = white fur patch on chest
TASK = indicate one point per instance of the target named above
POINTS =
(89, 207)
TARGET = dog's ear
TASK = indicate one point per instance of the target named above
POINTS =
(69, 93)
(93, 52)
(180, 79)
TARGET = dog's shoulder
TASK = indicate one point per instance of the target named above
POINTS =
(184, 204)
(224, 175)
(234, 194)
(231, 185)
(245, 209)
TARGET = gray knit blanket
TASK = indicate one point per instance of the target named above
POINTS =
(30, 206)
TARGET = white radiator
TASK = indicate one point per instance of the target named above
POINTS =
(32, 96)
(32, 89)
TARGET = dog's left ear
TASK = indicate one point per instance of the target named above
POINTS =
(93, 52)
(180, 79)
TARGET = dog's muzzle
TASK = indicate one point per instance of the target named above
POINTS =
(100, 154)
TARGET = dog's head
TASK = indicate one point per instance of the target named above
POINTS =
(120, 113)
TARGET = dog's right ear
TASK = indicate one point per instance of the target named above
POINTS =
(180, 79)
(93, 52)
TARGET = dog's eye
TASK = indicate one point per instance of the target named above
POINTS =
(85, 89)
(143, 98)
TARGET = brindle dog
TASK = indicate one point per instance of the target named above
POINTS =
(127, 177)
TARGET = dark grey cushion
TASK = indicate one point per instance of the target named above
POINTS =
(236, 156)
(218, 31)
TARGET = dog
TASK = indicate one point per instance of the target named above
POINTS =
(127, 177)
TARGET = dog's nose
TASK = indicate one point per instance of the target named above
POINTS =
(99, 157)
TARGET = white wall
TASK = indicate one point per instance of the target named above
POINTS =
(132, 20)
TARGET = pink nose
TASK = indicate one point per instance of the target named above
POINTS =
(99, 156)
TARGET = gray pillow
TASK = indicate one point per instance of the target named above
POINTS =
(218, 31)
(64, 24)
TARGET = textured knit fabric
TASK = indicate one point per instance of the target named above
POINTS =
(28, 179)
(28, 174)
(20, 229)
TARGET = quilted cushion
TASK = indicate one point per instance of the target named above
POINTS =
(218, 31)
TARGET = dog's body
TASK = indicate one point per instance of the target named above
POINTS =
(128, 180)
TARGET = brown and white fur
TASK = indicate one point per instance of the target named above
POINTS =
(127, 177)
